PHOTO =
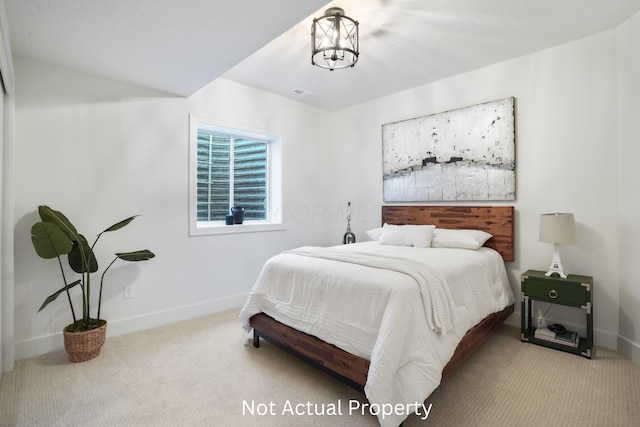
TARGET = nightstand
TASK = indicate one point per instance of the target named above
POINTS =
(574, 291)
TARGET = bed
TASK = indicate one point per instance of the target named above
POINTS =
(408, 343)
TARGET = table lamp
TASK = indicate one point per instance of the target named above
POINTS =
(557, 228)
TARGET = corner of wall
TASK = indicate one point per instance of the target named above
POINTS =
(629, 349)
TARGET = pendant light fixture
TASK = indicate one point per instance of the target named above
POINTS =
(334, 40)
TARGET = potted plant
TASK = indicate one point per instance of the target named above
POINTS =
(54, 237)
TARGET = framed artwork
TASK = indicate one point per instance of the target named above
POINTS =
(466, 154)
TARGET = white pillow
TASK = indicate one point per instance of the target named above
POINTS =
(465, 239)
(375, 233)
(407, 235)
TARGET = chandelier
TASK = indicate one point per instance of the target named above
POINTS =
(334, 40)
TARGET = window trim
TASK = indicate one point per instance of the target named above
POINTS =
(274, 178)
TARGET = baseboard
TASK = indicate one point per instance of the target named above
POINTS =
(629, 349)
(165, 317)
(45, 344)
(513, 320)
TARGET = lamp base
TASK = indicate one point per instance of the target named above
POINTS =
(554, 269)
(556, 265)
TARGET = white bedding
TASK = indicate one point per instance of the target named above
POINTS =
(379, 314)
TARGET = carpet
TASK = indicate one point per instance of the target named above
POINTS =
(205, 372)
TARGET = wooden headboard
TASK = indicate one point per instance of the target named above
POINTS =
(495, 220)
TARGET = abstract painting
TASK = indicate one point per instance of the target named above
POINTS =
(466, 154)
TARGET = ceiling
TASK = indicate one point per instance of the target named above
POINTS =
(179, 46)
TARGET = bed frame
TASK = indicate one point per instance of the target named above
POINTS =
(352, 370)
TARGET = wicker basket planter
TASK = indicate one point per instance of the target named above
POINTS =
(84, 345)
(54, 237)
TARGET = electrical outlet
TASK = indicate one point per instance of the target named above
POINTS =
(128, 291)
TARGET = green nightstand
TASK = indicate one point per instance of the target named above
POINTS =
(574, 291)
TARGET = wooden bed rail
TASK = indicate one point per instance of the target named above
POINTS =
(350, 369)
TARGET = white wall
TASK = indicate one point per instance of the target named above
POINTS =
(628, 48)
(100, 151)
(566, 140)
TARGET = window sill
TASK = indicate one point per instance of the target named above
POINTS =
(214, 229)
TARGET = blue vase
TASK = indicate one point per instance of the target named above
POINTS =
(238, 214)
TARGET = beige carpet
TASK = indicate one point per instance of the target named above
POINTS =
(204, 372)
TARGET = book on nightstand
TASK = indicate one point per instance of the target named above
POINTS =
(565, 338)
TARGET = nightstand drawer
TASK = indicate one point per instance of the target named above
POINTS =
(556, 292)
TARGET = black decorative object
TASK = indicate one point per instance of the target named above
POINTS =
(238, 214)
(349, 237)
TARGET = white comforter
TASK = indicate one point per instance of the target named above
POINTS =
(381, 314)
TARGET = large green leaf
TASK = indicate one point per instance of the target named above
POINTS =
(49, 240)
(53, 296)
(49, 215)
(75, 256)
(142, 255)
(120, 224)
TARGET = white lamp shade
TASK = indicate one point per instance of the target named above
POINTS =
(557, 228)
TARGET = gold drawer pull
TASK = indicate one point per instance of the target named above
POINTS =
(553, 294)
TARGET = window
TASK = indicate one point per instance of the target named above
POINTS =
(232, 167)
(231, 172)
